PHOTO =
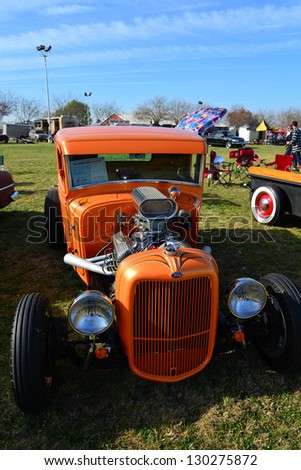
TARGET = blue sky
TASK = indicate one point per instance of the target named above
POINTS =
(223, 52)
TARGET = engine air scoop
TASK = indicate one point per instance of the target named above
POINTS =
(152, 204)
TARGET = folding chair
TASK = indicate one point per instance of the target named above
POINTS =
(244, 159)
(282, 162)
(215, 173)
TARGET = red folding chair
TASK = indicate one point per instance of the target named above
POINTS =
(244, 159)
(215, 173)
(282, 162)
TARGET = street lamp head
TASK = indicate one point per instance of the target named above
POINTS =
(42, 48)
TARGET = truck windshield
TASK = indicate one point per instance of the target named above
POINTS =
(89, 170)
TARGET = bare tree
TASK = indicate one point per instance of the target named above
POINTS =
(104, 110)
(179, 109)
(27, 110)
(286, 117)
(8, 103)
(59, 104)
(269, 116)
(153, 111)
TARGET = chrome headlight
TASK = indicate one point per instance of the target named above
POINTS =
(91, 313)
(218, 162)
(246, 298)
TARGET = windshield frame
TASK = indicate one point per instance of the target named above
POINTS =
(193, 165)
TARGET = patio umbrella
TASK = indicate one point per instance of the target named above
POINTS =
(200, 120)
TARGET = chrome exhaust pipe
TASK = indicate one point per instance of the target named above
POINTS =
(87, 264)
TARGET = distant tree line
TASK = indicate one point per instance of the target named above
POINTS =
(238, 116)
(153, 111)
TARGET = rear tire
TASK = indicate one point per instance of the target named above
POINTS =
(267, 205)
(278, 338)
(31, 354)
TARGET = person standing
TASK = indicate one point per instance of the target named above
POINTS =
(288, 138)
(296, 145)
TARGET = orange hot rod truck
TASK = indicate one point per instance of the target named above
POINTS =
(127, 209)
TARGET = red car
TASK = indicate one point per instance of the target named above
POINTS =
(7, 186)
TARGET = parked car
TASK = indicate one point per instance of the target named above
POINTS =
(273, 193)
(127, 209)
(4, 138)
(38, 134)
(224, 139)
(8, 193)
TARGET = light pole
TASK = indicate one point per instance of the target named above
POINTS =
(44, 50)
(87, 94)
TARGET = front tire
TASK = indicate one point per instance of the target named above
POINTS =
(228, 145)
(53, 219)
(278, 338)
(267, 205)
(31, 354)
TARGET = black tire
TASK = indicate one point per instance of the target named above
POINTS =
(31, 354)
(53, 219)
(278, 338)
(267, 204)
(228, 145)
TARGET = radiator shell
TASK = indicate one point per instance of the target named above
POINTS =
(167, 311)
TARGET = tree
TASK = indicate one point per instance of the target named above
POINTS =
(104, 110)
(286, 117)
(8, 103)
(27, 110)
(60, 104)
(153, 111)
(239, 116)
(179, 109)
(269, 116)
(75, 108)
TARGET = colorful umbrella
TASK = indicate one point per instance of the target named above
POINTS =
(200, 120)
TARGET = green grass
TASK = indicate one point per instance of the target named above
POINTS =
(235, 403)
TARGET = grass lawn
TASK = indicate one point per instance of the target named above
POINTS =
(235, 403)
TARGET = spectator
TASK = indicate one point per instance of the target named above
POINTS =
(296, 146)
(288, 139)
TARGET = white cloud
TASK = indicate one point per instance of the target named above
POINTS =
(235, 29)
(234, 22)
(73, 8)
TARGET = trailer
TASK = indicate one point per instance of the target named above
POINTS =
(61, 122)
(16, 131)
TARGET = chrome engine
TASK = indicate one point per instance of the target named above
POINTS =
(147, 229)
